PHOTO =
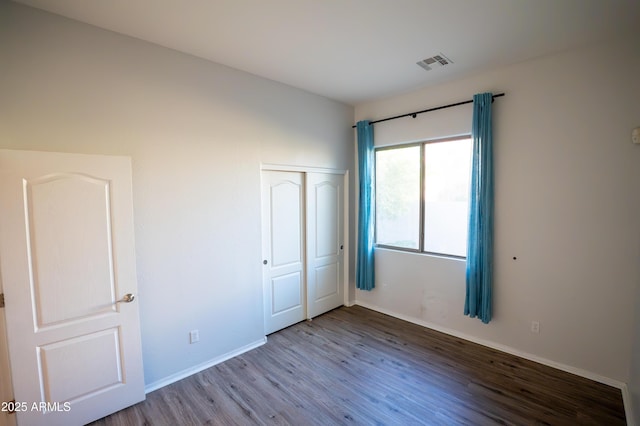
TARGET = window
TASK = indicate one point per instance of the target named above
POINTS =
(422, 196)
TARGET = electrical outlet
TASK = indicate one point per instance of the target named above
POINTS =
(535, 327)
(194, 336)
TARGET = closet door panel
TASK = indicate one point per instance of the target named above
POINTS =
(325, 242)
(283, 249)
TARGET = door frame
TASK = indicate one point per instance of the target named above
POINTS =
(345, 209)
(6, 385)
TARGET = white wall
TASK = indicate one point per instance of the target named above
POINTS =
(567, 203)
(198, 133)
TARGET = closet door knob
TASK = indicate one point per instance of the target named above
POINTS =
(264, 262)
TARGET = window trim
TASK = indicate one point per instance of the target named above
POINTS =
(422, 144)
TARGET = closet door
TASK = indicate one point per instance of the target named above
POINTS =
(325, 242)
(283, 249)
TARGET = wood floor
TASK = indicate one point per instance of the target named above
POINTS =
(357, 366)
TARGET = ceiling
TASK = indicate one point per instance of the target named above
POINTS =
(359, 50)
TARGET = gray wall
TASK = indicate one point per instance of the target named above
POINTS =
(198, 134)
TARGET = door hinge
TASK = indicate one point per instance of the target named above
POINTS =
(1, 300)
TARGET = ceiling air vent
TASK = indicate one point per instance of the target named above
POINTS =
(436, 61)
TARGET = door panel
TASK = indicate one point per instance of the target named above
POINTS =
(327, 280)
(325, 242)
(286, 219)
(67, 257)
(283, 250)
(100, 370)
(286, 290)
(76, 264)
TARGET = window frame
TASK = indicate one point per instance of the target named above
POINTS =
(421, 144)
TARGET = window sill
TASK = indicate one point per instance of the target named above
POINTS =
(420, 253)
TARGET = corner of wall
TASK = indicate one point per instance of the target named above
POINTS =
(627, 400)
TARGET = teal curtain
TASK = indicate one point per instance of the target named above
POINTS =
(365, 271)
(480, 245)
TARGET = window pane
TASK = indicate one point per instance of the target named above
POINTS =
(446, 192)
(398, 197)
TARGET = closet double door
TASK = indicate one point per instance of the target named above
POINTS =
(302, 244)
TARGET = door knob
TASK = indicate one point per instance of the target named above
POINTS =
(264, 262)
(128, 298)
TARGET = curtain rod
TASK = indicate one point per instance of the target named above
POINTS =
(413, 114)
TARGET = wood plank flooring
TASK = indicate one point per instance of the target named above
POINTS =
(356, 366)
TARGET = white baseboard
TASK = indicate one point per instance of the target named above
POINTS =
(503, 348)
(202, 366)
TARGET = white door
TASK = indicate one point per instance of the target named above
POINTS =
(283, 249)
(67, 262)
(325, 242)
